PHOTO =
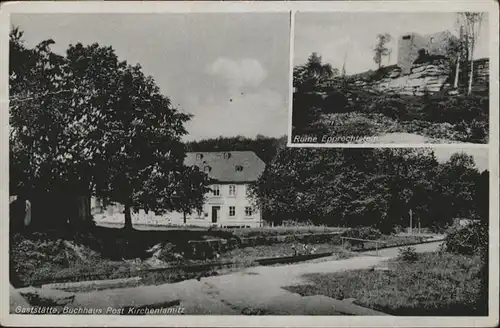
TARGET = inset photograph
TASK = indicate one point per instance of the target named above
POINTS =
(390, 78)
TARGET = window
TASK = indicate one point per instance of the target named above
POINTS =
(216, 190)
(207, 169)
(248, 211)
(406, 37)
(199, 157)
(232, 211)
(432, 40)
(232, 190)
(227, 155)
(239, 168)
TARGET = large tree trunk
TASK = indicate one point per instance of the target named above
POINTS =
(128, 217)
(457, 72)
(82, 210)
(471, 74)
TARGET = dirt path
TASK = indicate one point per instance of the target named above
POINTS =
(257, 288)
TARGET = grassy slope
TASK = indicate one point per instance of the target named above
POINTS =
(362, 125)
(436, 284)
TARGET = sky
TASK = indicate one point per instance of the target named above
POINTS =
(230, 70)
(481, 155)
(336, 36)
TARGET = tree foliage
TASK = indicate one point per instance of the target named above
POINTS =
(309, 99)
(313, 73)
(367, 187)
(89, 124)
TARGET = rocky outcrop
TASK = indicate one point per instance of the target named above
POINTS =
(432, 76)
(481, 74)
(206, 248)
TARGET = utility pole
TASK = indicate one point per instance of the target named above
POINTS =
(411, 221)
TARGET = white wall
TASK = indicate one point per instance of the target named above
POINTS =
(225, 200)
(114, 214)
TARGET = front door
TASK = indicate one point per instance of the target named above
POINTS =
(215, 213)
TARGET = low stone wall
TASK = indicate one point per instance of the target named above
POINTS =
(204, 248)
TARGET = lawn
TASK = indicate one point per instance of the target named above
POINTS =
(437, 284)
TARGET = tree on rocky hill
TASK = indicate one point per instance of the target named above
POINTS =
(313, 73)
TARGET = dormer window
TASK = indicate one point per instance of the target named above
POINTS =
(227, 155)
(207, 169)
(199, 157)
(216, 190)
(239, 168)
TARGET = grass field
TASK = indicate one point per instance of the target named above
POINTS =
(437, 284)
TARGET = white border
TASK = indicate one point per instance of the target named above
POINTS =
(252, 321)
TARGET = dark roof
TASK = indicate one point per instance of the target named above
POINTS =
(224, 169)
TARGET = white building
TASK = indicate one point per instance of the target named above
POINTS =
(227, 204)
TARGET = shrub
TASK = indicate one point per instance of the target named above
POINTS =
(455, 109)
(335, 102)
(469, 240)
(392, 106)
(363, 233)
(358, 124)
(306, 110)
(408, 254)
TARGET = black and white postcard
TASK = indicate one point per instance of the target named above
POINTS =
(219, 164)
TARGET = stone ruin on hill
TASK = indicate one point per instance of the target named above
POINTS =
(422, 66)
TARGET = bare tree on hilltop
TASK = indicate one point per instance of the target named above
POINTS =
(381, 50)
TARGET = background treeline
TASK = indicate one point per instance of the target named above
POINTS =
(371, 187)
(265, 147)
